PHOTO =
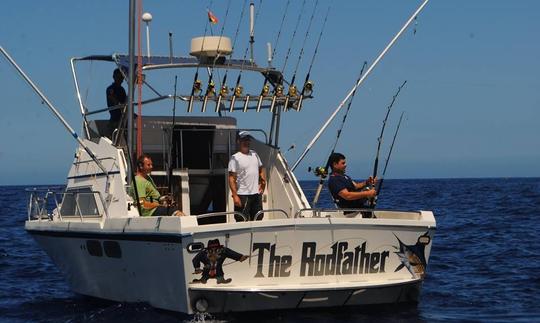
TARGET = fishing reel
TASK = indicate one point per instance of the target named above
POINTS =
(197, 85)
(265, 90)
(238, 90)
(293, 92)
(211, 90)
(308, 88)
(224, 90)
(279, 90)
(319, 171)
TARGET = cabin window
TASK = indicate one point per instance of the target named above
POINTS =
(79, 202)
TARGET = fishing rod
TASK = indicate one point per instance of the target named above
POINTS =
(266, 88)
(137, 201)
(170, 172)
(322, 172)
(380, 183)
(278, 90)
(211, 88)
(380, 138)
(196, 88)
(293, 36)
(224, 90)
(368, 72)
(238, 89)
(292, 88)
(307, 89)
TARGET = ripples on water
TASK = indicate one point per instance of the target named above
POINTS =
(484, 265)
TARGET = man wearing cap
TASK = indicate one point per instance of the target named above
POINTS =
(247, 178)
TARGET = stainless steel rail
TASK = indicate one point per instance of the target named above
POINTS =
(210, 215)
(261, 212)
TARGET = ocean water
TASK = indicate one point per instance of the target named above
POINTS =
(484, 265)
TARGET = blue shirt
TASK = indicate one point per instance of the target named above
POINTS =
(339, 182)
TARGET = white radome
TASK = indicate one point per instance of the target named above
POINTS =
(147, 17)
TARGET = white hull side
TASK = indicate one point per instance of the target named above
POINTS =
(290, 263)
(150, 272)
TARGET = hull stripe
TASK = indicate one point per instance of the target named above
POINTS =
(149, 237)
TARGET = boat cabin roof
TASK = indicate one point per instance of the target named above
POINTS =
(161, 62)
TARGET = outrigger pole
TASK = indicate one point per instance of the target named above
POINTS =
(340, 106)
(55, 112)
(322, 173)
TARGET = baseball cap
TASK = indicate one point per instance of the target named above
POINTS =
(244, 135)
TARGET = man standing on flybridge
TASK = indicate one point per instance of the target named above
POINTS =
(247, 178)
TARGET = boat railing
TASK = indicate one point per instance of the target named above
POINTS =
(318, 212)
(49, 204)
(229, 215)
(361, 212)
(41, 200)
(262, 212)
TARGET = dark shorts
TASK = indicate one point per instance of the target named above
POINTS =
(164, 211)
(251, 204)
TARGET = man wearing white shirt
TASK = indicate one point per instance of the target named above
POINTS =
(247, 178)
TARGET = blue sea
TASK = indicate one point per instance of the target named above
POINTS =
(484, 265)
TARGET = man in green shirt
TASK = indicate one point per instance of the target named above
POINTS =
(152, 203)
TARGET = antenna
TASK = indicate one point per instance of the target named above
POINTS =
(170, 47)
(147, 17)
(251, 28)
(269, 49)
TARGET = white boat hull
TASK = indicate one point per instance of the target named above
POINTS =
(290, 263)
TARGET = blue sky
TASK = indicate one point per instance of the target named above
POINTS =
(472, 97)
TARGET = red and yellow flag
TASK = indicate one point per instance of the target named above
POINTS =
(213, 19)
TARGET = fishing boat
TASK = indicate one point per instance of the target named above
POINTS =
(293, 256)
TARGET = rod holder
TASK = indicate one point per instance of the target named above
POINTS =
(205, 102)
(259, 102)
(190, 105)
(233, 101)
(246, 104)
(300, 101)
(273, 104)
(218, 102)
(286, 105)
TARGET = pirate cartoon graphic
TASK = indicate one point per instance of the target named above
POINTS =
(212, 258)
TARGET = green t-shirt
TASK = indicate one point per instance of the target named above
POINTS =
(147, 190)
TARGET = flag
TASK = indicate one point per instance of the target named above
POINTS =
(213, 19)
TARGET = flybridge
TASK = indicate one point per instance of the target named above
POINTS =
(236, 97)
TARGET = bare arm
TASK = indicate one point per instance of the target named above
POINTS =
(370, 181)
(351, 196)
(234, 189)
(262, 179)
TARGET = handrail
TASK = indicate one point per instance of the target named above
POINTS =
(121, 106)
(270, 210)
(209, 215)
(38, 205)
(90, 160)
(318, 211)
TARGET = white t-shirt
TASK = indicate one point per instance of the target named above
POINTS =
(246, 167)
